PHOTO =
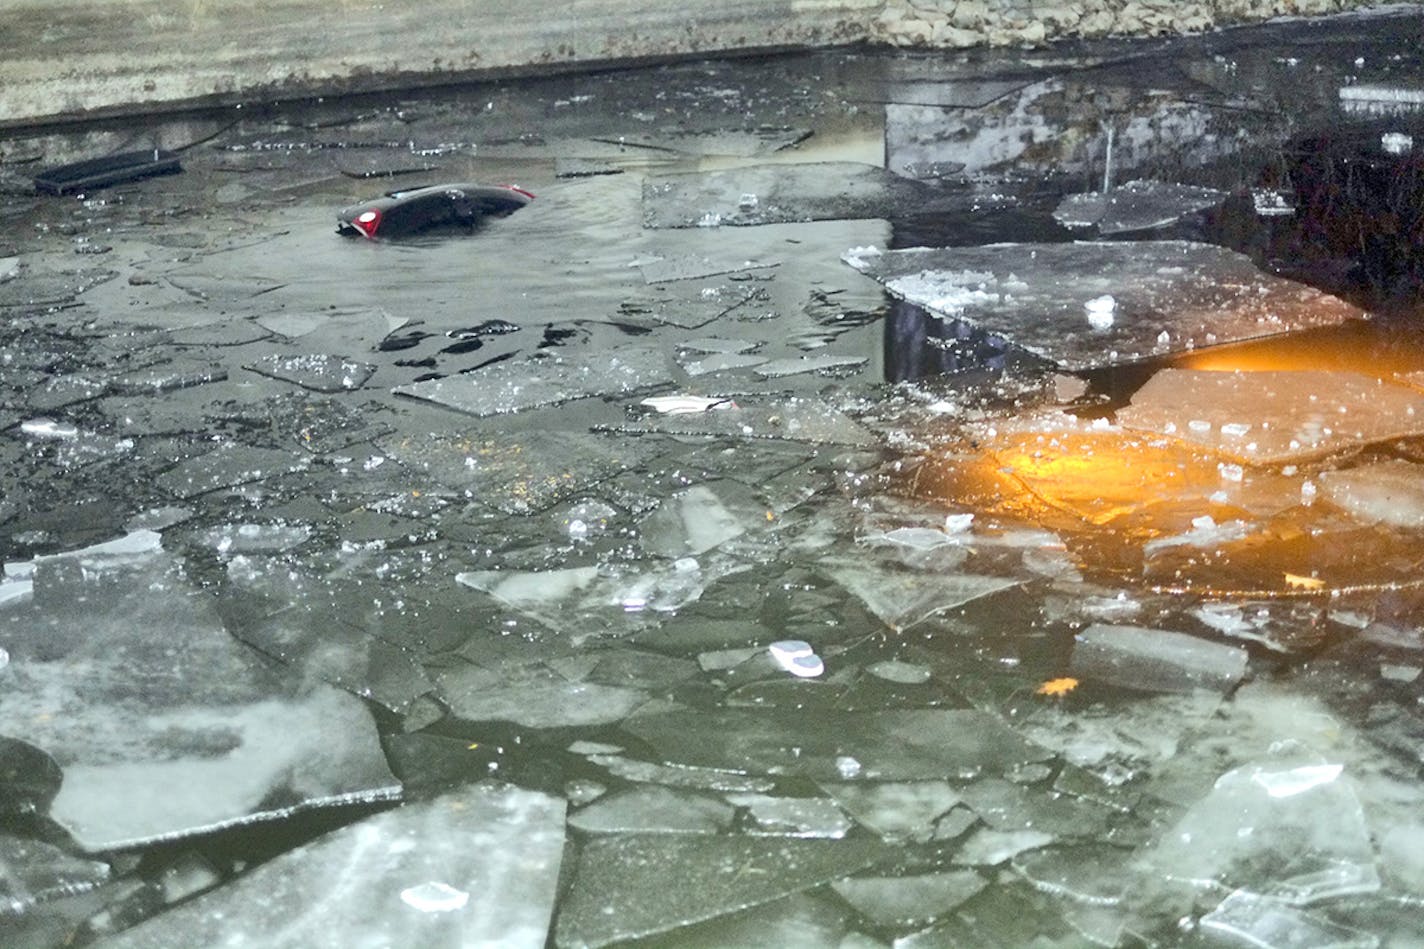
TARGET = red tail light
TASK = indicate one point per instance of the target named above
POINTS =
(367, 221)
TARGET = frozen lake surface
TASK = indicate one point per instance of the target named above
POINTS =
(865, 499)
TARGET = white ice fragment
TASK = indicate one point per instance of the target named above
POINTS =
(1230, 472)
(847, 767)
(1203, 523)
(1164, 339)
(1235, 429)
(958, 523)
(747, 202)
(1200, 426)
(48, 428)
(1307, 493)
(710, 219)
(1296, 780)
(434, 897)
(686, 404)
(1100, 311)
(1394, 673)
(797, 657)
(4, 658)
(855, 256)
(1397, 143)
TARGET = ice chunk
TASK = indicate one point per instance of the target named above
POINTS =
(1095, 874)
(233, 539)
(318, 371)
(904, 673)
(989, 848)
(637, 885)
(792, 816)
(1290, 827)
(686, 404)
(1371, 99)
(164, 724)
(227, 467)
(477, 867)
(902, 599)
(1387, 492)
(1155, 660)
(720, 362)
(1296, 415)
(1033, 295)
(654, 810)
(890, 745)
(545, 379)
(897, 811)
(535, 696)
(909, 900)
(1136, 206)
(781, 193)
(700, 518)
(1255, 920)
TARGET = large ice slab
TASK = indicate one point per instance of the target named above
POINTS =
(477, 867)
(1275, 416)
(911, 745)
(162, 723)
(545, 380)
(1135, 206)
(642, 884)
(1090, 305)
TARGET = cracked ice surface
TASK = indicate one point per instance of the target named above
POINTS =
(1170, 296)
(475, 867)
(156, 741)
(545, 380)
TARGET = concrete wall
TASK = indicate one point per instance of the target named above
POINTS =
(82, 58)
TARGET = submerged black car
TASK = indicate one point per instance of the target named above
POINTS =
(399, 213)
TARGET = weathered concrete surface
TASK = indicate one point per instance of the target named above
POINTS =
(79, 58)
(75, 57)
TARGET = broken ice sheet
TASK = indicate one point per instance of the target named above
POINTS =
(807, 420)
(303, 620)
(897, 811)
(1251, 919)
(909, 900)
(533, 695)
(517, 473)
(476, 867)
(163, 724)
(792, 816)
(700, 518)
(638, 885)
(545, 379)
(902, 598)
(1274, 417)
(1135, 206)
(1387, 492)
(891, 745)
(228, 466)
(1170, 296)
(318, 372)
(651, 810)
(1289, 827)
(784, 193)
(1155, 660)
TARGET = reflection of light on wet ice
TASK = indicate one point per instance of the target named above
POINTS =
(1297, 780)
(434, 897)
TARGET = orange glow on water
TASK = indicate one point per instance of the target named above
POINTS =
(1375, 348)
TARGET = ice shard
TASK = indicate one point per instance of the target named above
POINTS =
(320, 372)
(639, 885)
(1387, 492)
(904, 598)
(163, 724)
(1274, 417)
(477, 867)
(1169, 296)
(654, 810)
